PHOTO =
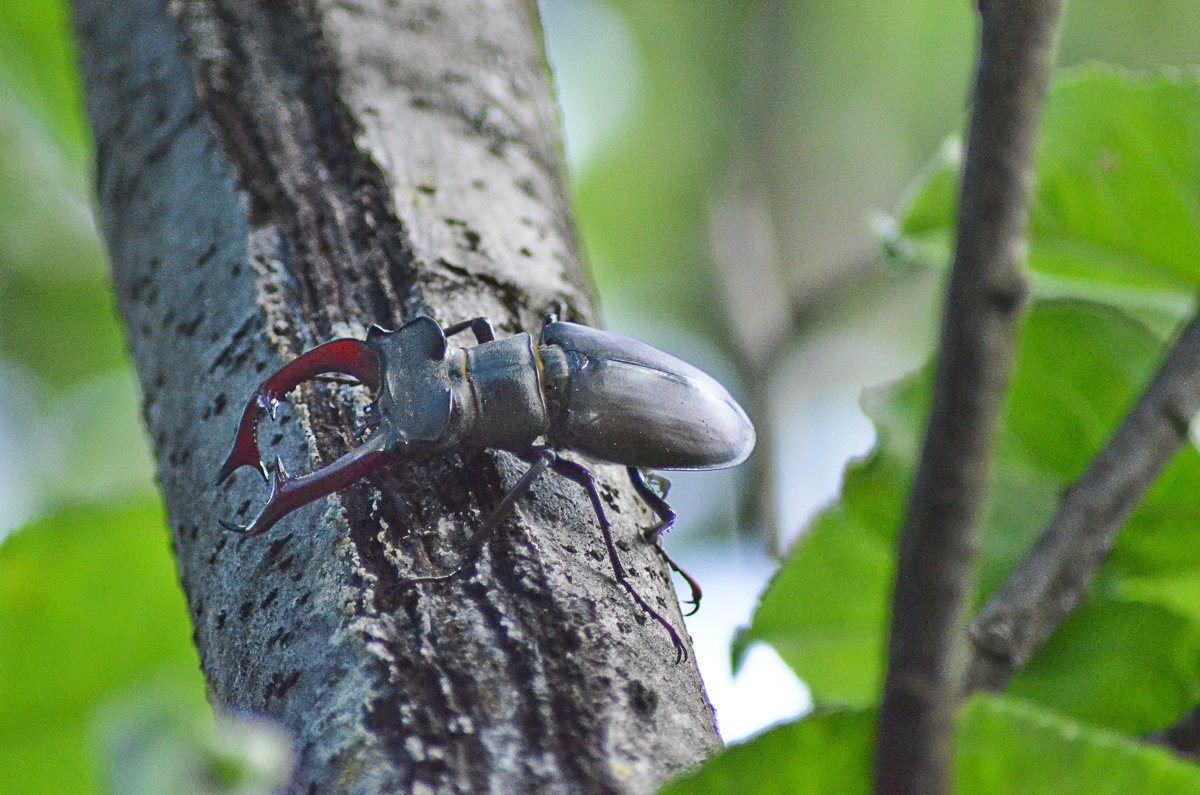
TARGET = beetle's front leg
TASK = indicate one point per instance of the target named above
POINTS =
(666, 520)
(347, 356)
(481, 327)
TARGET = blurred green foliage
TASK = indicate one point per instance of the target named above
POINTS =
(1005, 747)
(1117, 153)
(89, 605)
(830, 108)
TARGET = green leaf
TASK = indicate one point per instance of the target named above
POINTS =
(1007, 747)
(1004, 746)
(63, 330)
(89, 604)
(1123, 665)
(37, 57)
(826, 752)
(1114, 216)
(1079, 366)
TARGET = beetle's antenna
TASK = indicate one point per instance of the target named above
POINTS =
(346, 356)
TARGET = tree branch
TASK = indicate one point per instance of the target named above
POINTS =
(1054, 577)
(275, 174)
(985, 296)
(1183, 738)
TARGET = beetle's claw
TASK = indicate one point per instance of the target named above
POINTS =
(245, 449)
(346, 356)
(288, 493)
(235, 528)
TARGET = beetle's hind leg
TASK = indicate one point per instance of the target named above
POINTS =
(547, 458)
(666, 520)
(580, 474)
(347, 356)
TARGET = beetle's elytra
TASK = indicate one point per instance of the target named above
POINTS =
(608, 397)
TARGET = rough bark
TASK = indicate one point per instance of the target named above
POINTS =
(272, 175)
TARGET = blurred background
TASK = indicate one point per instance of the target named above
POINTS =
(734, 165)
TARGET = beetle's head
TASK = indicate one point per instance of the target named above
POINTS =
(405, 367)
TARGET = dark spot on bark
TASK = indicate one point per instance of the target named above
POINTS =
(280, 685)
(277, 546)
(270, 598)
(207, 256)
(188, 328)
(140, 284)
(383, 716)
(221, 619)
(643, 700)
(524, 252)
(246, 610)
(428, 190)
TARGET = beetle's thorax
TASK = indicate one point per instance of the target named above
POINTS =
(498, 396)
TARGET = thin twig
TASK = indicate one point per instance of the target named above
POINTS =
(1183, 738)
(984, 299)
(1054, 577)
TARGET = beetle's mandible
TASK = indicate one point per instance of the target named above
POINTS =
(605, 396)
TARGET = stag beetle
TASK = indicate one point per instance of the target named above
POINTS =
(599, 394)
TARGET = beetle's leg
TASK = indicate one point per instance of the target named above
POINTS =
(579, 474)
(348, 356)
(481, 327)
(662, 484)
(288, 493)
(482, 536)
(666, 519)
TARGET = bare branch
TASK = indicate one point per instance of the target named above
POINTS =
(985, 296)
(1183, 738)
(1054, 577)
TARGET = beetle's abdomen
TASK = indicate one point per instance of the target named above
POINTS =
(632, 404)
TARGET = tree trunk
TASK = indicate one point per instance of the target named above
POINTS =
(276, 174)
